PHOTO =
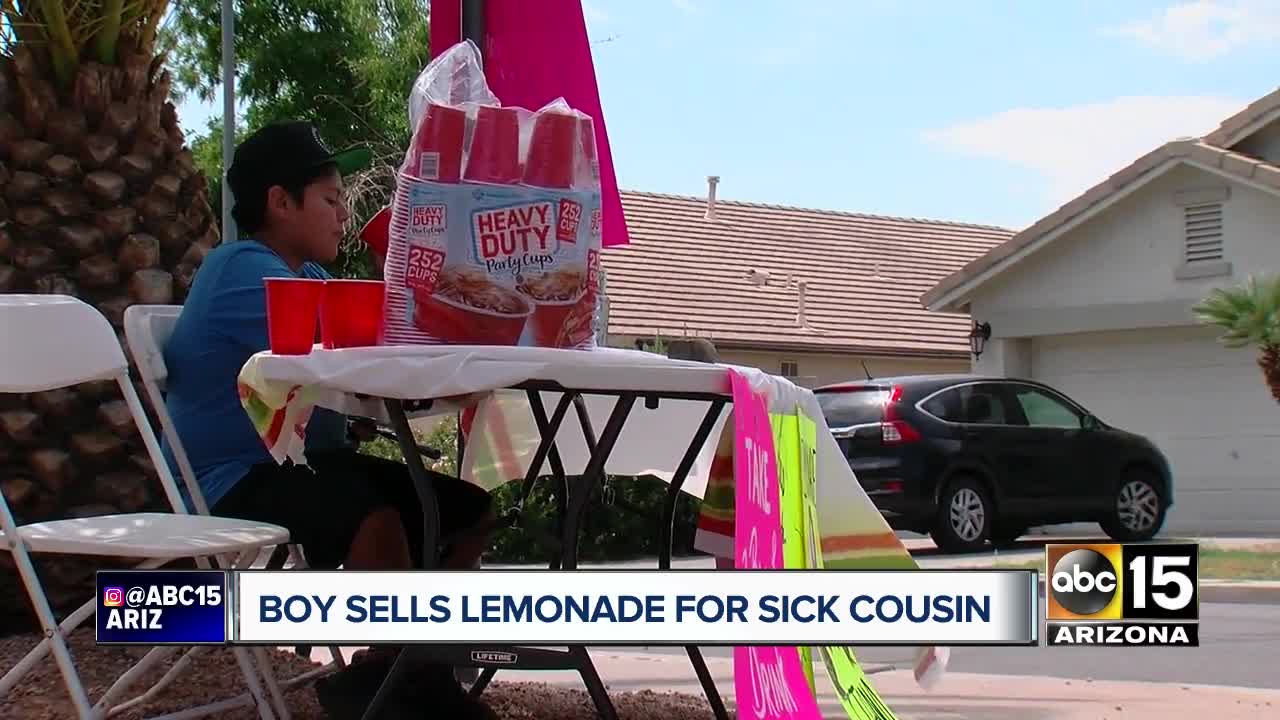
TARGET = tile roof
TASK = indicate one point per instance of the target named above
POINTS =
(1237, 127)
(683, 274)
(1213, 152)
(943, 296)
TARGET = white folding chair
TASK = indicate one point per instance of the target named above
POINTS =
(57, 341)
(147, 329)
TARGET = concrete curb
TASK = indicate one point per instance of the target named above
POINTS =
(1246, 593)
(724, 666)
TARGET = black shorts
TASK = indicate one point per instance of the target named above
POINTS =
(323, 509)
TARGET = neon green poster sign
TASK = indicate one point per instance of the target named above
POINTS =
(796, 440)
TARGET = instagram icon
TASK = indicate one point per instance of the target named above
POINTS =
(112, 597)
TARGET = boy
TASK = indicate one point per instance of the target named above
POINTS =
(347, 509)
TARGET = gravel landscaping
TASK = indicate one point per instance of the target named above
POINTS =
(214, 675)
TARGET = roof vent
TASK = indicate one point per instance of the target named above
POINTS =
(801, 320)
(712, 181)
(1202, 232)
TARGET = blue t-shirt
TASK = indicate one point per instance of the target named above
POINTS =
(224, 322)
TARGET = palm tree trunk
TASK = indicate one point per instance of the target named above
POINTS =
(1270, 364)
(101, 199)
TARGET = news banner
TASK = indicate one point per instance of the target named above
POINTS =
(1094, 594)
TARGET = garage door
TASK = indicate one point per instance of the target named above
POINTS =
(1205, 406)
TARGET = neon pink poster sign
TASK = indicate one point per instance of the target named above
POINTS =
(769, 682)
(534, 53)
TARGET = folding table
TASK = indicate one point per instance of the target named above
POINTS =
(392, 383)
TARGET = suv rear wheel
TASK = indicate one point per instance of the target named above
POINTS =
(965, 516)
(1138, 509)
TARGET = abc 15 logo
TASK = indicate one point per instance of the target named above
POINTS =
(1114, 582)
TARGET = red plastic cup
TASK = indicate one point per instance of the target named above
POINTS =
(292, 310)
(377, 233)
(494, 155)
(438, 144)
(588, 164)
(553, 150)
(351, 313)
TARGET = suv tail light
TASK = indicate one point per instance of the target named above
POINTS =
(893, 429)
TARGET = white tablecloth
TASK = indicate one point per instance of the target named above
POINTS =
(652, 441)
(505, 437)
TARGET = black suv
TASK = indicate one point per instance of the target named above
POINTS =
(969, 459)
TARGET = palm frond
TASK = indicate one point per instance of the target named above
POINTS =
(65, 33)
(150, 22)
(108, 33)
(1248, 313)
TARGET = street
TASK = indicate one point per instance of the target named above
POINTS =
(1239, 646)
(1239, 643)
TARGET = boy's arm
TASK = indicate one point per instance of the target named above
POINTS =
(239, 307)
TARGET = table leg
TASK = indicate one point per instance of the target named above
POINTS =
(430, 535)
(571, 509)
(482, 682)
(572, 501)
(584, 420)
(595, 686)
(664, 551)
(548, 429)
(545, 429)
(577, 657)
(593, 474)
(461, 445)
(589, 436)
(708, 682)
(421, 483)
(682, 473)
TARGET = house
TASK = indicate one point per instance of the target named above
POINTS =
(808, 294)
(1095, 300)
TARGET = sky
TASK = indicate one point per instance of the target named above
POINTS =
(986, 111)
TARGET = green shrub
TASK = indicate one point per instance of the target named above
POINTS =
(622, 524)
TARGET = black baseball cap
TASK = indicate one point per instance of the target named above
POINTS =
(280, 153)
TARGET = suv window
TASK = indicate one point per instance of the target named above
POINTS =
(861, 406)
(985, 406)
(980, 404)
(948, 405)
(1044, 410)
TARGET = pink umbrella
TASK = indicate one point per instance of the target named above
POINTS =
(532, 58)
